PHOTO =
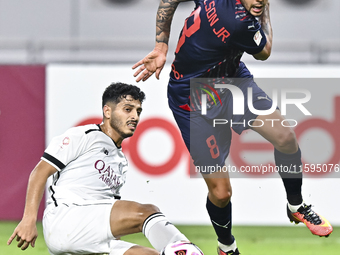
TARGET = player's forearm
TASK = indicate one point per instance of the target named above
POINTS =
(35, 189)
(165, 13)
(267, 27)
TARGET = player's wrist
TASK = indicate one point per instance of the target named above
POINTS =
(161, 47)
(29, 217)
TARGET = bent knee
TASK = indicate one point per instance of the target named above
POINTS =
(142, 212)
(220, 196)
(286, 142)
(145, 211)
(148, 209)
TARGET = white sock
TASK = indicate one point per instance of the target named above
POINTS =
(160, 232)
(294, 208)
(226, 248)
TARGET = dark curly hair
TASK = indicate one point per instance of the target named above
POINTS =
(117, 91)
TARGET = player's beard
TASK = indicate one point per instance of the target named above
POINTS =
(118, 126)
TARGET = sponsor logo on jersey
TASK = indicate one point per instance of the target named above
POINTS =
(66, 141)
(258, 38)
(112, 176)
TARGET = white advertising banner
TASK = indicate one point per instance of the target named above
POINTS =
(159, 163)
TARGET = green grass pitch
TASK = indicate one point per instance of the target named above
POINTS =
(251, 240)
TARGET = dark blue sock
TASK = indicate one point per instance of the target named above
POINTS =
(221, 221)
(292, 180)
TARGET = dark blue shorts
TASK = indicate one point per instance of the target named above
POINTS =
(208, 137)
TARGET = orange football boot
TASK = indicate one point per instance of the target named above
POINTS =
(317, 224)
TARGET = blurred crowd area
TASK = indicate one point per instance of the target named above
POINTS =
(123, 31)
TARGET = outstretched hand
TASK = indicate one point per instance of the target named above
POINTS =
(26, 234)
(152, 63)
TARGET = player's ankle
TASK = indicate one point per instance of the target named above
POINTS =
(294, 208)
(226, 248)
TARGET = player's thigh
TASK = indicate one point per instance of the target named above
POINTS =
(277, 130)
(127, 217)
(209, 144)
(182, 118)
(259, 102)
(270, 126)
(79, 229)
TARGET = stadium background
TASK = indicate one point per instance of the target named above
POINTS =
(57, 57)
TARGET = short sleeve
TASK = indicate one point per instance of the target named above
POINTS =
(249, 36)
(65, 148)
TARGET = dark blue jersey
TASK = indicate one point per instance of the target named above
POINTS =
(211, 43)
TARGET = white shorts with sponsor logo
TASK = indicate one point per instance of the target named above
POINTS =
(81, 229)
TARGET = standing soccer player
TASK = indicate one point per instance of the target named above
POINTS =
(211, 44)
(84, 213)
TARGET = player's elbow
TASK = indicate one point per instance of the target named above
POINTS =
(262, 58)
(264, 54)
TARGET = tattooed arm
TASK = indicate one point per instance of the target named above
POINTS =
(267, 29)
(165, 13)
(155, 60)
